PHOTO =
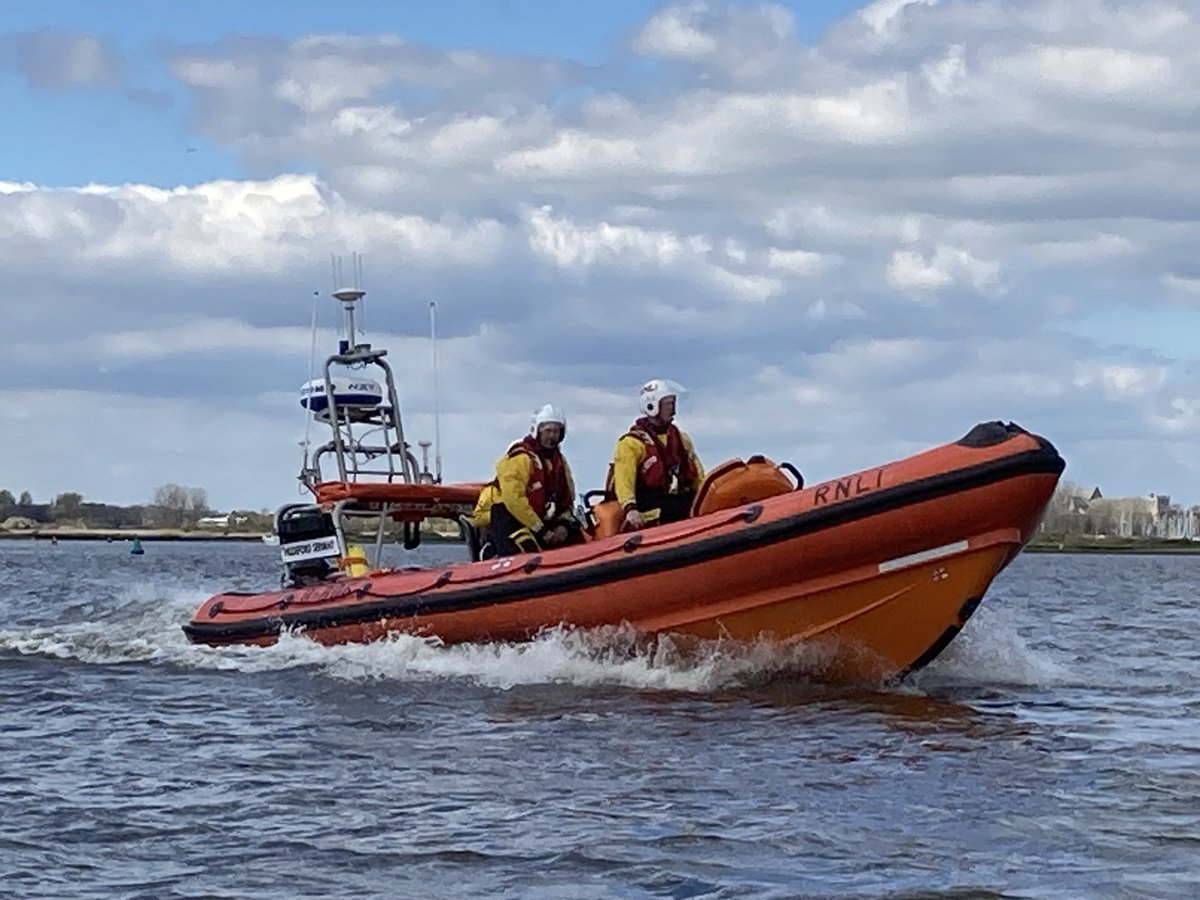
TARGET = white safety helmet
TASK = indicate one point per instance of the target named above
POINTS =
(654, 392)
(548, 414)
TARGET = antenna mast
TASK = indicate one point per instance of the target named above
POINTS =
(437, 430)
(312, 369)
(349, 297)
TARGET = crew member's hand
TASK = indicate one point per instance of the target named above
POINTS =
(633, 520)
(555, 536)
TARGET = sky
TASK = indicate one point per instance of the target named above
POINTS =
(851, 230)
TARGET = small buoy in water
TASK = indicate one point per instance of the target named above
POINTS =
(136, 549)
(54, 540)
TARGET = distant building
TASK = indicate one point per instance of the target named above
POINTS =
(223, 521)
(1149, 516)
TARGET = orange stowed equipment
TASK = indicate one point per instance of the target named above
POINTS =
(736, 483)
(408, 502)
(733, 483)
(608, 519)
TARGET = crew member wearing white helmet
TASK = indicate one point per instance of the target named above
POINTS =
(655, 470)
(529, 505)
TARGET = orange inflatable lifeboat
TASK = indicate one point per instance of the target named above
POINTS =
(881, 567)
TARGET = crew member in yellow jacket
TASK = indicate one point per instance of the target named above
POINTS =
(655, 470)
(529, 505)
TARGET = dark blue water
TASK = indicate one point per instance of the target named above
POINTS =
(1054, 751)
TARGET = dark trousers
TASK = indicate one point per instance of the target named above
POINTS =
(504, 526)
(672, 507)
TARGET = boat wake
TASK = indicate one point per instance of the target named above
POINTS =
(990, 651)
(141, 626)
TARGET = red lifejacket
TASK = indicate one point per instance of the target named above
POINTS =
(548, 478)
(662, 461)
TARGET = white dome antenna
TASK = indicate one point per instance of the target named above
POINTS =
(350, 297)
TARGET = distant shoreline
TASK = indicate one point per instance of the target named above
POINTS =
(1143, 546)
(161, 534)
(124, 536)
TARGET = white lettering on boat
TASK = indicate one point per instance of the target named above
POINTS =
(326, 546)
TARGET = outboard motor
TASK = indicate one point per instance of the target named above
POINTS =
(308, 544)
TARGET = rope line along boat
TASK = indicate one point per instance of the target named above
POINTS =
(879, 569)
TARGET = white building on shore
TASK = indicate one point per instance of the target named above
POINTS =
(1149, 516)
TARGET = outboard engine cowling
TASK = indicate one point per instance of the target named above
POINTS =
(308, 544)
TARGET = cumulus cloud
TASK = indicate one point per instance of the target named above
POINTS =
(57, 60)
(744, 42)
(848, 250)
(947, 266)
(1182, 284)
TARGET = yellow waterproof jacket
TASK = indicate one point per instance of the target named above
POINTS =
(627, 461)
(510, 487)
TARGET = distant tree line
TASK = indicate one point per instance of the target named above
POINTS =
(1063, 513)
(172, 506)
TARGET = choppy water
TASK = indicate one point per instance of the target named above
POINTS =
(1054, 751)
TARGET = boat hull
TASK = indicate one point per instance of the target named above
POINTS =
(875, 572)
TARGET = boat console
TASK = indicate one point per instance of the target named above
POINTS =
(308, 544)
